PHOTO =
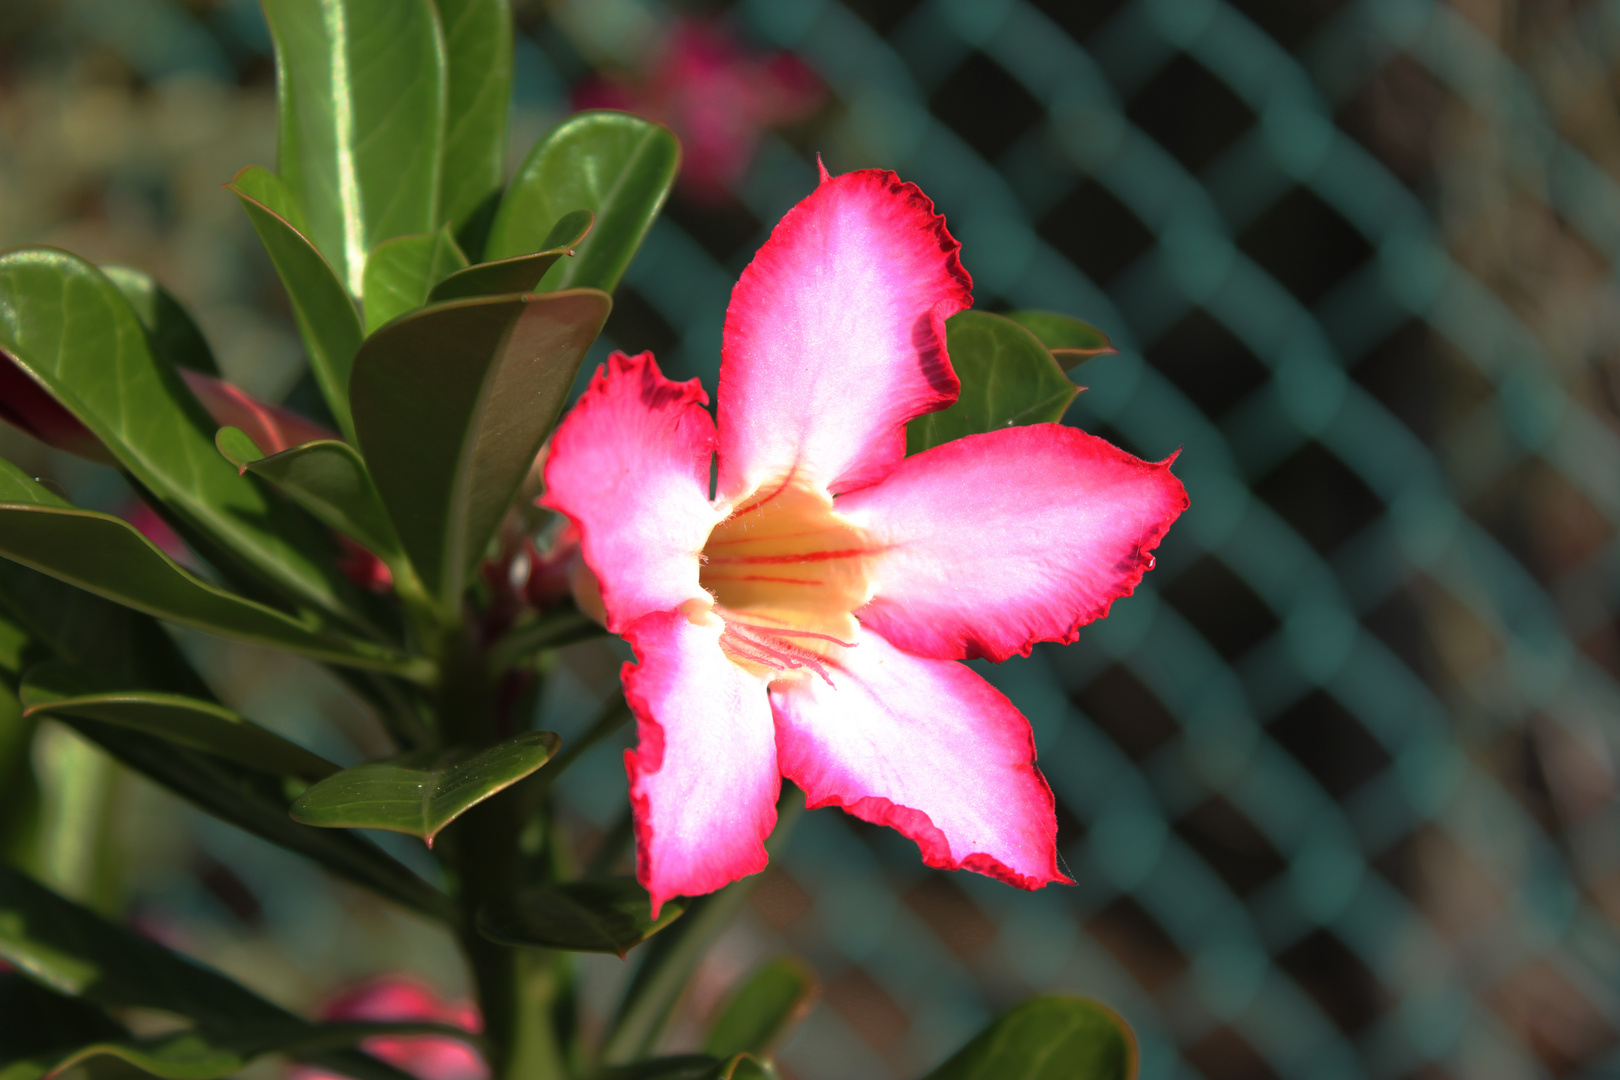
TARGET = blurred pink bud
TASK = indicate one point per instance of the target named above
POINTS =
(273, 428)
(154, 528)
(714, 93)
(362, 567)
(427, 1057)
(27, 405)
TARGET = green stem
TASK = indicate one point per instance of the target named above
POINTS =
(673, 954)
(516, 988)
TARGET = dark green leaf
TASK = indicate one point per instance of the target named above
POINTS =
(451, 404)
(552, 630)
(184, 1055)
(693, 1067)
(58, 689)
(400, 273)
(81, 628)
(420, 797)
(1047, 1038)
(361, 120)
(109, 557)
(325, 477)
(170, 330)
(606, 915)
(75, 952)
(667, 964)
(1070, 340)
(478, 54)
(619, 167)
(258, 804)
(326, 318)
(520, 273)
(39, 1020)
(62, 320)
(775, 997)
(1008, 378)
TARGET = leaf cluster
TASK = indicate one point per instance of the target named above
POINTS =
(445, 312)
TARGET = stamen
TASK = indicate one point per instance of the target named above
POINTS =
(768, 645)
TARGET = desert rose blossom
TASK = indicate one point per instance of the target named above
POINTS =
(809, 620)
(427, 1057)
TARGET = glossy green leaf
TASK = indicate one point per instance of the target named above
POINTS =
(520, 273)
(170, 329)
(184, 1055)
(419, 795)
(605, 915)
(775, 997)
(1070, 340)
(451, 404)
(619, 167)
(400, 273)
(61, 689)
(327, 320)
(1047, 1038)
(693, 1067)
(668, 962)
(70, 327)
(325, 477)
(258, 804)
(109, 557)
(478, 55)
(1008, 378)
(75, 952)
(361, 115)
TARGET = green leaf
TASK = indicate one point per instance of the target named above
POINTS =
(185, 1055)
(667, 964)
(70, 327)
(170, 330)
(606, 915)
(1047, 1038)
(520, 273)
(39, 1020)
(75, 952)
(478, 55)
(693, 1067)
(451, 404)
(401, 272)
(109, 557)
(776, 996)
(81, 628)
(419, 796)
(361, 120)
(325, 477)
(58, 689)
(258, 804)
(326, 318)
(1069, 340)
(619, 167)
(1008, 378)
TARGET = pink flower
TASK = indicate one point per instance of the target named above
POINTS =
(716, 95)
(808, 621)
(428, 1057)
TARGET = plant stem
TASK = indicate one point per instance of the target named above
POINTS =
(516, 987)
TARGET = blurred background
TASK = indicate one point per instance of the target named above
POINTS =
(1338, 784)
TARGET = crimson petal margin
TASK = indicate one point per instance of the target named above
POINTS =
(630, 467)
(992, 542)
(835, 337)
(929, 748)
(703, 775)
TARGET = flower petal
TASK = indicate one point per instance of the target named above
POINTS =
(703, 779)
(272, 428)
(630, 467)
(993, 542)
(925, 746)
(835, 337)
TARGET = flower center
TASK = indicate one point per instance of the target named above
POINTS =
(787, 574)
